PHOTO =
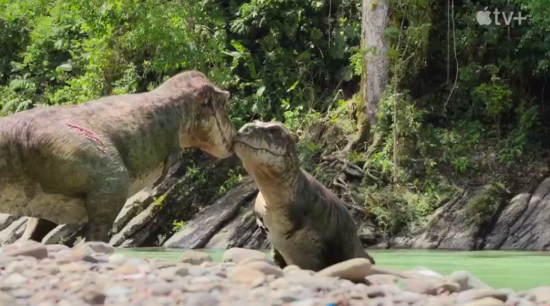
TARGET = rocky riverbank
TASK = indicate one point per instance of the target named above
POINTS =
(93, 274)
(478, 218)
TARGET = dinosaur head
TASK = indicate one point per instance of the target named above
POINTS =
(267, 149)
(206, 124)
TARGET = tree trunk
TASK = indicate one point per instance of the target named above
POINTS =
(375, 77)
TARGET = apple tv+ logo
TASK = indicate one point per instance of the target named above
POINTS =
(484, 17)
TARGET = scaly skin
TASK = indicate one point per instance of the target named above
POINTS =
(69, 163)
(306, 223)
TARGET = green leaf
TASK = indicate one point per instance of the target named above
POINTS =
(260, 91)
(66, 67)
(293, 87)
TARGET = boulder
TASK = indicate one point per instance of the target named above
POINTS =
(508, 217)
(457, 225)
(13, 232)
(197, 232)
(64, 233)
(6, 220)
(241, 232)
(531, 231)
(445, 229)
(133, 206)
(174, 197)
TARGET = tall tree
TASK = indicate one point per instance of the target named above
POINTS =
(375, 16)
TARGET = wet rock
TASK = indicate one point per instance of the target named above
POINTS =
(353, 269)
(195, 258)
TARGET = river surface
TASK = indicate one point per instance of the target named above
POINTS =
(499, 269)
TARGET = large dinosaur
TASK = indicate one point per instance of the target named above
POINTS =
(72, 163)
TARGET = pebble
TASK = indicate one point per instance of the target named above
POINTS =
(354, 269)
(250, 277)
(467, 281)
(195, 258)
(117, 259)
(430, 286)
(262, 266)
(54, 248)
(28, 248)
(488, 301)
(15, 280)
(93, 274)
(290, 268)
(237, 255)
(477, 294)
(126, 270)
(541, 294)
(98, 247)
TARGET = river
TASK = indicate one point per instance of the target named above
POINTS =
(499, 269)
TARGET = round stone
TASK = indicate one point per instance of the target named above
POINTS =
(195, 257)
(355, 269)
(237, 255)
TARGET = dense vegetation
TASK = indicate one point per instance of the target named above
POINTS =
(471, 99)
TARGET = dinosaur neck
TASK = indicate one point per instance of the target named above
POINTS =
(278, 191)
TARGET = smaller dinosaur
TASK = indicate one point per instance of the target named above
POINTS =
(305, 222)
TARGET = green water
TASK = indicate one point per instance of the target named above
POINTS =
(499, 269)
